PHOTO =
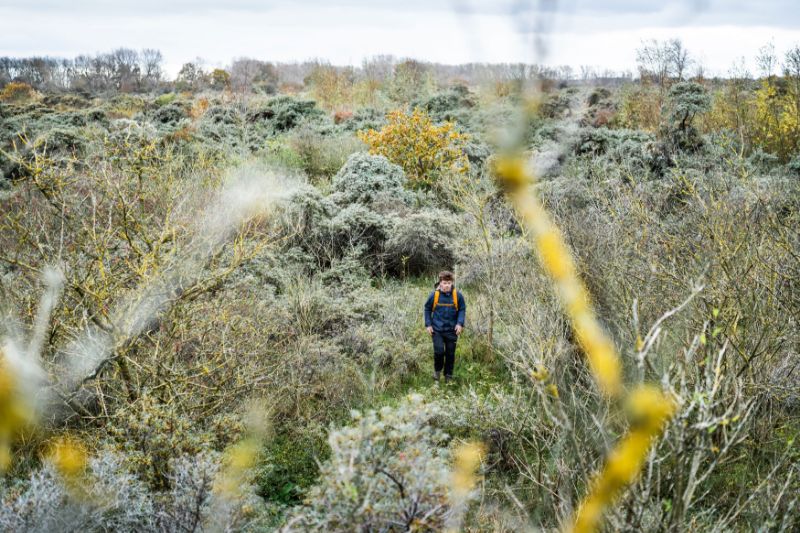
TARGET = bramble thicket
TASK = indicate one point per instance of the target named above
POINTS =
(211, 293)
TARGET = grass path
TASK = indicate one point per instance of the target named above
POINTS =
(293, 457)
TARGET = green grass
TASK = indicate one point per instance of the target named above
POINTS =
(290, 464)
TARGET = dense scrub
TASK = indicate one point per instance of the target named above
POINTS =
(207, 250)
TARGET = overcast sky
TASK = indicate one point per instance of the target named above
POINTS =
(601, 33)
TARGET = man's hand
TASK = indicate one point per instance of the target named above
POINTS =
(430, 330)
(459, 329)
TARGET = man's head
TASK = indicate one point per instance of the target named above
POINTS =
(446, 280)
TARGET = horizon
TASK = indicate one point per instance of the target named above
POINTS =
(577, 33)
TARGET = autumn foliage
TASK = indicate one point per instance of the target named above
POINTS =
(423, 149)
(16, 91)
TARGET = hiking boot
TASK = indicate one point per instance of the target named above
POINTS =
(448, 379)
(436, 376)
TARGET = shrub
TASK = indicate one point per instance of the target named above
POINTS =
(304, 216)
(358, 229)
(63, 141)
(386, 472)
(125, 105)
(423, 149)
(165, 99)
(556, 105)
(453, 105)
(61, 101)
(776, 120)
(113, 500)
(365, 118)
(322, 155)
(794, 165)
(284, 113)
(152, 433)
(170, 114)
(367, 179)
(598, 141)
(17, 92)
(422, 242)
(685, 101)
(223, 125)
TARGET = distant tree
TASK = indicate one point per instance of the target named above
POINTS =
(220, 79)
(249, 74)
(410, 80)
(150, 61)
(126, 70)
(678, 58)
(331, 86)
(191, 77)
(767, 59)
(663, 61)
(791, 69)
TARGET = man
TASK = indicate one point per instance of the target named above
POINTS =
(445, 312)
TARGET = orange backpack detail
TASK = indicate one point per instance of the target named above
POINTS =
(436, 300)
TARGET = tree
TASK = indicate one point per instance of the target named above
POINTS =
(411, 79)
(220, 79)
(150, 60)
(766, 59)
(331, 86)
(662, 61)
(125, 65)
(686, 100)
(249, 74)
(191, 77)
(423, 149)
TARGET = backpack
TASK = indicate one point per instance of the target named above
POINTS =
(436, 300)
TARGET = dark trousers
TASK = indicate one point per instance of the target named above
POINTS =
(444, 351)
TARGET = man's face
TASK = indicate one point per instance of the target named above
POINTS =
(445, 285)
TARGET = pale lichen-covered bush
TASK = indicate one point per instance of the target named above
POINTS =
(111, 500)
(452, 105)
(794, 166)
(596, 141)
(283, 113)
(358, 229)
(367, 179)
(195, 502)
(423, 242)
(170, 114)
(387, 472)
(366, 118)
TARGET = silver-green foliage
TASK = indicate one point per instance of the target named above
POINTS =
(115, 500)
(387, 472)
(423, 242)
(368, 179)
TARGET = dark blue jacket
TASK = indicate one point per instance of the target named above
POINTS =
(445, 317)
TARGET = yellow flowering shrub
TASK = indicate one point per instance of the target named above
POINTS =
(17, 91)
(423, 149)
(777, 121)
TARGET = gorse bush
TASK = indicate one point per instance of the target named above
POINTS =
(423, 242)
(370, 180)
(424, 150)
(17, 92)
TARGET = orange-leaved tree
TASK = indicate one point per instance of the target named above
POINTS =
(423, 149)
